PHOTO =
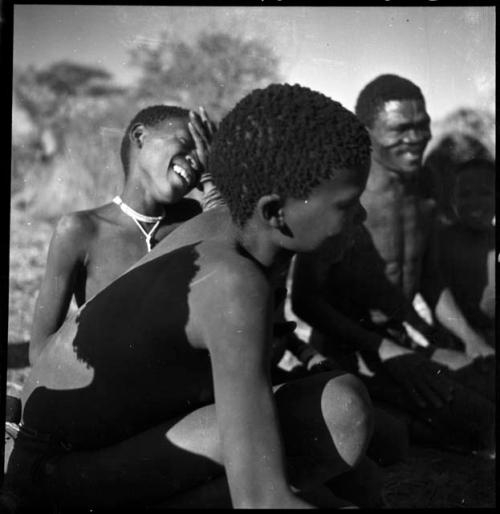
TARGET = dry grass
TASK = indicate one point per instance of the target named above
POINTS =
(432, 478)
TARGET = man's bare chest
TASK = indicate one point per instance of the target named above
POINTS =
(399, 226)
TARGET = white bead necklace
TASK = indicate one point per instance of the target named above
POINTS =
(140, 218)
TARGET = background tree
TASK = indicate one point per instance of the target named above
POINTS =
(71, 160)
(214, 70)
(61, 165)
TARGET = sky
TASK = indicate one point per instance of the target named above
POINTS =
(448, 51)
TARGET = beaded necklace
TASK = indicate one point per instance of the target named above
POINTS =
(140, 218)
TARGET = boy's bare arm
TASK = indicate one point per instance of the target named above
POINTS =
(237, 309)
(64, 256)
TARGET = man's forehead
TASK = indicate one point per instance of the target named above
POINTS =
(396, 110)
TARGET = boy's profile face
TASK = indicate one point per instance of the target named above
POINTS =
(329, 213)
(399, 135)
(474, 198)
(166, 157)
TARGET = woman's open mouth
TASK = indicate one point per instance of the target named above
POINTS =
(185, 174)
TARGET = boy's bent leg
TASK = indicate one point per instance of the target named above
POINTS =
(325, 421)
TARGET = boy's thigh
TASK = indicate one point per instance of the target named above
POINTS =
(145, 469)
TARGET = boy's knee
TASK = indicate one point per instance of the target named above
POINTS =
(348, 413)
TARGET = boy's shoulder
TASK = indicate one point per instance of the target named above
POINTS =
(233, 267)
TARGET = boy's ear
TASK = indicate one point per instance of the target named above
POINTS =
(270, 210)
(136, 134)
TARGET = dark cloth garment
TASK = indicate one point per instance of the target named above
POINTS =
(24, 480)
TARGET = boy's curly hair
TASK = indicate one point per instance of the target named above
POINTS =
(151, 116)
(283, 139)
(383, 89)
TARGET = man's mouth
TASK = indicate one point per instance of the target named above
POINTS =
(413, 154)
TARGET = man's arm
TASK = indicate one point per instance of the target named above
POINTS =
(238, 336)
(309, 303)
(57, 286)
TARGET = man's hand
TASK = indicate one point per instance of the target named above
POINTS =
(202, 130)
(425, 382)
(318, 363)
(476, 346)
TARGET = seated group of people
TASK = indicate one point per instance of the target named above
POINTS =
(164, 389)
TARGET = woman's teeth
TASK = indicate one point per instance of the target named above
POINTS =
(181, 172)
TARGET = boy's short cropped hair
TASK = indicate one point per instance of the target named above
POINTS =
(383, 89)
(283, 139)
(151, 116)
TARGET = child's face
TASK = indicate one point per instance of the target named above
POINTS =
(329, 214)
(474, 198)
(166, 157)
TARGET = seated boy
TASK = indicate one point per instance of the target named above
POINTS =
(161, 381)
(161, 151)
(468, 246)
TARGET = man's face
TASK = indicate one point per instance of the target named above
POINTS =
(166, 158)
(399, 135)
(331, 211)
(474, 198)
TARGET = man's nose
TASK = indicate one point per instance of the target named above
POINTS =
(416, 136)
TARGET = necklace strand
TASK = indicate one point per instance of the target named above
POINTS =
(137, 217)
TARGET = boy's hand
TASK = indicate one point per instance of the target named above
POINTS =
(202, 130)
(425, 382)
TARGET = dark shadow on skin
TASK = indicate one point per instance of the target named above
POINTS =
(147, 387)
(182, 211)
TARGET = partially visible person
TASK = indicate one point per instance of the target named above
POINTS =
(468, 246)
(163, 153)
(451, 149)
(360, 304)
(160, 384)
